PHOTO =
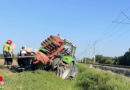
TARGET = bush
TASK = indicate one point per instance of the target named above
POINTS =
(95, 79)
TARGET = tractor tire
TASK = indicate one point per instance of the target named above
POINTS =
(73, 73)
(67, 71)
(34, 66)
(55, 63)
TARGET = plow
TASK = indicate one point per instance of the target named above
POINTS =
(55, 54)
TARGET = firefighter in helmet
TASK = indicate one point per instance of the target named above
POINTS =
(8, 52)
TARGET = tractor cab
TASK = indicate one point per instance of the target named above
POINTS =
(69, 51)
(70, 48)
(65, 64)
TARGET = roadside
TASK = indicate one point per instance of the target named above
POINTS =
(87, 79)
(6, 72)
(2, 62)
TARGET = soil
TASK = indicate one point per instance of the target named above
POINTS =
(2, 62)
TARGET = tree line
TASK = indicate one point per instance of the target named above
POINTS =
(100, 59)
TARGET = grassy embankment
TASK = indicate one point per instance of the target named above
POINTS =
(87, 79)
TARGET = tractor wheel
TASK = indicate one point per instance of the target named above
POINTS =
(74, 72)
(55, 63)
(34, 66)
(67, 71)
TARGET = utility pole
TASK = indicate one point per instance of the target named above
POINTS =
(94, 46)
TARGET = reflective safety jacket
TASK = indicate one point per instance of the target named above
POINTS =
(7, 50)
(6, 47)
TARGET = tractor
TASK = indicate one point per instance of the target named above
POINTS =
(58, 55)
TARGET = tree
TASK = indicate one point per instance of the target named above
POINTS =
(104, 60)
(124, 60)
(87, 60)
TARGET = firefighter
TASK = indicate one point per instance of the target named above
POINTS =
(21, 61)
(8, 53)
(24, 62)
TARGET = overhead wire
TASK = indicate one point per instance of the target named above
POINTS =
(121, 34)
(106, 32)
(113, 31)
(86, 52)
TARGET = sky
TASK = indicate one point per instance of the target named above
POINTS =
(83, 22)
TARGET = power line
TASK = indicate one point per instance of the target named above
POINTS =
(113, 32)
(108, 29)
(86, 52)
(115, 21)
(121, 35)
(125, 15)
(121, 22)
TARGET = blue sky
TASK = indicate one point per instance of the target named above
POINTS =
(29, 22)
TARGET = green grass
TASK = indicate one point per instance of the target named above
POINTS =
(96, 79)
(87, 79)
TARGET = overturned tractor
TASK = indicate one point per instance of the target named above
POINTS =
(58, 55)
